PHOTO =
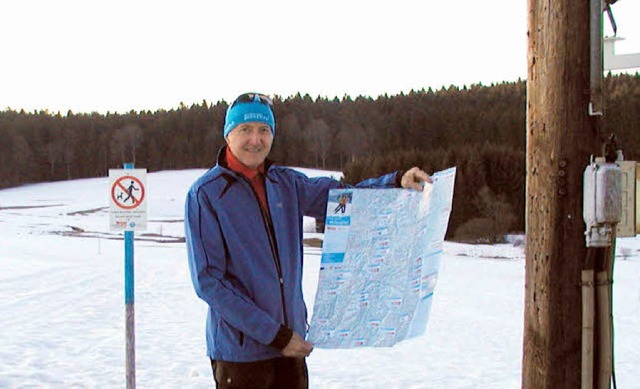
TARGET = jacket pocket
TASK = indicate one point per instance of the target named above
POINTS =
(230, 336)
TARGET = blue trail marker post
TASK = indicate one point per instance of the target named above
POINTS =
(129, 300)
(128, 213)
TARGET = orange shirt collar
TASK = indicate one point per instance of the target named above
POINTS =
(237, 166)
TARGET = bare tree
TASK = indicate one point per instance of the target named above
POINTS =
(124, 142)
(319, 134)
(55, 153)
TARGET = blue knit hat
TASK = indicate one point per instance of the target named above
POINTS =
(249, 107)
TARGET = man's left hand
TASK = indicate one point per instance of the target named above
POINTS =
(297, 347)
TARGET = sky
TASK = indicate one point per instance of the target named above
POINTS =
(121, 55)
(62, 305)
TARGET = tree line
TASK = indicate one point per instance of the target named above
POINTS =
(480, 129)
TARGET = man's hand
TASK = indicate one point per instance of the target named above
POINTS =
(413, 178)
(297, 347)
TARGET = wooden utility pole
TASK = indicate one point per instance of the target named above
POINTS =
(561, 136)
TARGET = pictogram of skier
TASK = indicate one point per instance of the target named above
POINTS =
(342, 204)
(130, 195)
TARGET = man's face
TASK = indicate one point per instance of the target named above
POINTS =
(250, 143)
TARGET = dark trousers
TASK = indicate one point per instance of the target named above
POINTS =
(286, 373)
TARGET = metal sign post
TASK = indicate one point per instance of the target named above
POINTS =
(130, 333)
(128, 214)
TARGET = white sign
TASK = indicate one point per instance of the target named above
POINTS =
(380, 263)
(127, 199)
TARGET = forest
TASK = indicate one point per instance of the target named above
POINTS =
(480, 129)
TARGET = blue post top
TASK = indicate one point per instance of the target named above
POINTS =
(128, 165)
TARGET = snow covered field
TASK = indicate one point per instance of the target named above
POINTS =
(62, 304)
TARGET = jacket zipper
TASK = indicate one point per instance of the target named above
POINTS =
(268, 225)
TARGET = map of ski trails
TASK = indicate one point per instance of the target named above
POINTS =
(380, 262)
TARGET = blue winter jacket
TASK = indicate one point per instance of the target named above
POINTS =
(251, 278)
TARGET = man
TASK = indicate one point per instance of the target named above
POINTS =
(243, 222)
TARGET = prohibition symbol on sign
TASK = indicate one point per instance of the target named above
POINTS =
(127, 192)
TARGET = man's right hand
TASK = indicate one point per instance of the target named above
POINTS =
(297, 347)
(413, 179)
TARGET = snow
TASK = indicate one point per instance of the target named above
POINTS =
(62, 303)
